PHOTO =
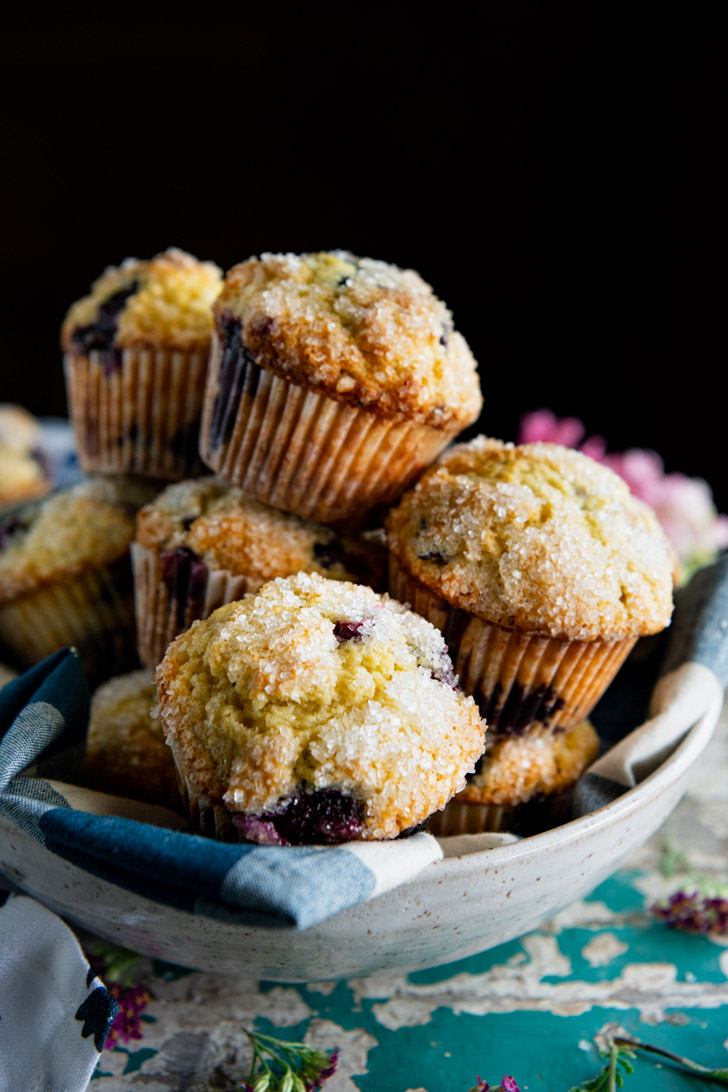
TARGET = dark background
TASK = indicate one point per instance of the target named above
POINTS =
(554, 171)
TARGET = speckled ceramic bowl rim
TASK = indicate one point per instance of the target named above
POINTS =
(668, 772)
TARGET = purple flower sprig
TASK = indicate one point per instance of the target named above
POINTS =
(119, 970)
(700, 903)
(694, 911)
(282, 1066)
(132, 1001)
(507, 1084)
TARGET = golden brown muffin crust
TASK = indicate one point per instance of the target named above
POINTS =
(126, 753)
(170, 305)
(70, 532)
(536, 538)
(266, 696)
(361, 331)
(515, 769)
(245, 537)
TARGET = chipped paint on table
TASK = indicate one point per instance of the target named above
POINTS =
(531, 1008)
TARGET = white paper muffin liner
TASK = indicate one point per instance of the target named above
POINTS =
(302, 451)
(158, 611)
(460, 817)
(94, 611)
(137, 411)
(521, 682)
(204, 816)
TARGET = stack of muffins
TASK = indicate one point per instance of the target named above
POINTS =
(298, 703)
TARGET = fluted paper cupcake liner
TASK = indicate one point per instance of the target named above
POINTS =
(94, 611)
(204, 816)
(521, 682)
(304, 452)
(137, 411)
(531, 817)
(163, 612)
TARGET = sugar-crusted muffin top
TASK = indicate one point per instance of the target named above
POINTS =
(515, 769)
(314, 685)
(19, 429)
(21, 473)
(69, 532)
(361, 331)
(245, 537)
(165, 302)
(21, 476)
(538, 538)
(126, 752)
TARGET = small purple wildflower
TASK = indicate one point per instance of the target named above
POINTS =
(330, 1069)
(118, 969)
(508, 1084)
(694, 912)
(132, 1001)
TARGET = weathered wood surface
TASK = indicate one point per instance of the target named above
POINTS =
(531, 1008)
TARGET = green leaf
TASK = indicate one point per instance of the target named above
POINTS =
(610, 1075)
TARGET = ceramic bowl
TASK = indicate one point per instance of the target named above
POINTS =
(471, 900)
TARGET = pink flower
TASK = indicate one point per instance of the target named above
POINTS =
(542, 426)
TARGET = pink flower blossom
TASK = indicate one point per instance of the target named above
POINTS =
(542, 426)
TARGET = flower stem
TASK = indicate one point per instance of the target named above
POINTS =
(719, 1075)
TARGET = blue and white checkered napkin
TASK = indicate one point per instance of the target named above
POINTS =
(44, 713)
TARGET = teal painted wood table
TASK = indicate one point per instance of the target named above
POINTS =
(533, 1008)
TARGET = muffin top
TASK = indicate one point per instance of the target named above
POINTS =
(515, 769)
(537, 538)
(361, 331)
(22, 475)
(313, 687)
(19, 429)
(230, 531)
(69, 532)
(126, 752)
(162, 303)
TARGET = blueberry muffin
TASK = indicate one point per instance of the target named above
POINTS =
(333, 382)
(65, 575)
(22, 472)
(521, 783)
(126, 753)
(315, 711)
(541, 569)
(201, 543)
(136, 353)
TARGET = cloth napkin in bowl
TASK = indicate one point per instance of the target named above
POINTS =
(678, 685)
